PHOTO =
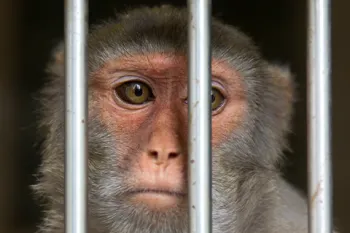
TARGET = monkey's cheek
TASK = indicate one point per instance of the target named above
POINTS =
(157, 201)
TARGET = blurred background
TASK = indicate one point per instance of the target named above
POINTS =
(30, 29)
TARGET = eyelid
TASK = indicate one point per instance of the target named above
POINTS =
(217, 85)
(133, 78)
(130, 78)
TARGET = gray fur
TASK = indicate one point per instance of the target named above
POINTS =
(248, 191)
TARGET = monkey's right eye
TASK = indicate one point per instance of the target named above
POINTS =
(134, 93)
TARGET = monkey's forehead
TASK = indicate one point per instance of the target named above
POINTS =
(164, 30)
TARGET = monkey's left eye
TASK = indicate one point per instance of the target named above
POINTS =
(134, 92)
(217, 99)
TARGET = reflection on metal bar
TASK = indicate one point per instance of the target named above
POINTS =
(76, 117)
(199, 113)
(319, 117)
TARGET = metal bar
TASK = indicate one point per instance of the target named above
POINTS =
(319, 117)
(76, 117)
(199, 114)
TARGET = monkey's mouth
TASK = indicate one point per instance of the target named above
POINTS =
(157, 199)
(158, 192)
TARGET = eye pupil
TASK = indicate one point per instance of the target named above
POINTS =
(138, 90)
(212, 98)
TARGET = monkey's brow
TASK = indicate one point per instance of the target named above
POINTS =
(148, 65)
(150, 73)
(152, 60)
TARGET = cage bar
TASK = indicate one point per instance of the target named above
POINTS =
(319, 118)
(76, 117)
(199, 114)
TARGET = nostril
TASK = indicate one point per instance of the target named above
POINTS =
(162, 156)
(153, 154)
(173, 155)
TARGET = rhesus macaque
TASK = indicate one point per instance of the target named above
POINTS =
(138, 127)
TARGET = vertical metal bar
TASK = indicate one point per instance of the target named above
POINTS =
(199, 113)
(319, 117)
(76, 117)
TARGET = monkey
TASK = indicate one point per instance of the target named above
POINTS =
(138, 127)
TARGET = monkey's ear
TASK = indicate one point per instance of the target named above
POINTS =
(282, 81)
(58, 53)
(283, 78)
(52, 92)
(56, 63)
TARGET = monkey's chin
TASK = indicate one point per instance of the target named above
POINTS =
(157, 200)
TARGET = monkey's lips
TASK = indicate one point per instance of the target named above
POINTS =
(157, 198)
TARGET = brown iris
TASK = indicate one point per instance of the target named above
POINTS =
(217, 99)
(134, 92)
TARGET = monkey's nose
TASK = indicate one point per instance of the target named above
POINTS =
(163, 155)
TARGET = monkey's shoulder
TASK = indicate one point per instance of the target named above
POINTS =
(291, 213)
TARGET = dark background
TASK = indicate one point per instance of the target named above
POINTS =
(29, 30)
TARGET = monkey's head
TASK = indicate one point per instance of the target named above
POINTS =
(138, 125)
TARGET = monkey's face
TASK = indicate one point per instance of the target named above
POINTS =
(142, 102)
(138, 125)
